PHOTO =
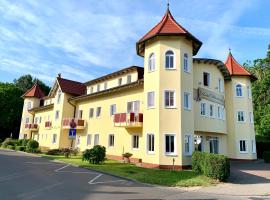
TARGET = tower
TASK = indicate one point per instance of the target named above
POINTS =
(168, 85)
(31, 100)
(240, 123)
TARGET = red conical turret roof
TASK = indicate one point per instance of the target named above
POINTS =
(35, 91)
(168, 27)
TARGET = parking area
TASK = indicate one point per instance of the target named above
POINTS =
(24, 176)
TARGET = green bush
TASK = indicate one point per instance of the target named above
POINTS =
(9, 141)
(212, 165)
(23, 142)
(266, 156)
(66, 152)
(20, 148)
(10, 147)
(95, 155)
(32, 146)
(54, 152)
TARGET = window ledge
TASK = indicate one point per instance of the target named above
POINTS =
(171, 154)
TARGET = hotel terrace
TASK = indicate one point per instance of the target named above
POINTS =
(160, 113)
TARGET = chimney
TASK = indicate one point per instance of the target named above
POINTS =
(59, 75)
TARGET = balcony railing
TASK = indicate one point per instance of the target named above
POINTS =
(31, 127)
(48, 124)
(128, 119)
(69, 123)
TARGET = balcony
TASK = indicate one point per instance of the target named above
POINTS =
(31, 127)
(128, 120)
(48, 125)
(72, 123)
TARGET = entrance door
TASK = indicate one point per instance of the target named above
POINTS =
(214, 145)
(198, 143)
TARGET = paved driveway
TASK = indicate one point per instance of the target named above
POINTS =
(23, 176)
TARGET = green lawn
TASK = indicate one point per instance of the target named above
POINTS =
(152, 176)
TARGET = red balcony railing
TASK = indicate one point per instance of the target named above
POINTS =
(31, 126)
(69, 123)
(128, 119)
(48, 124)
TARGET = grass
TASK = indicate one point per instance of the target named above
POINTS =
(152, 176)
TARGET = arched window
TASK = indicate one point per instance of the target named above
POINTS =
(186, 67)
(151, 62)
(169, 56)
(239, 91)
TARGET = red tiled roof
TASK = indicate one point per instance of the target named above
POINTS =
(35, 91)
(71, 87)
(235, 68)
(168, 26)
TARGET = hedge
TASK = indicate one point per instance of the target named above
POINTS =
(212, 165)
(20, 148)
(95, 155)
(266, 156)
(10, 147)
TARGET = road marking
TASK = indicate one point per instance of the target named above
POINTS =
(106, 182)
(91, 181)
(12, 176)
(62, 168)
(44, 163)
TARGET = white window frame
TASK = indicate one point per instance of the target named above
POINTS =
(59, 94)
(186, 66)
(27, 120)
(244, 116)
(57, 115)
(209, 79)
(249, 91)
(105, 85)
(91, 113)
(111, 141)
(98, 112)
(253, 146)
(189, 139)
(152, 62)
(173, 59)
(96, 139)
(246, 146)
(239, 87)
(189, 106)
(78, 140)
(129, 78)
(120, 81)
(251, 118)
(98, 87)
(205, 106)
(174, 99)
(112, 109)
(175, 144)
(213, 111)
(152, 135)
(135, 106)
(88, 139)
(220, 86)
(218, 143)
(150, 95)
(54, 138)
(135, 142)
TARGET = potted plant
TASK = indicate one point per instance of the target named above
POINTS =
(126, 157)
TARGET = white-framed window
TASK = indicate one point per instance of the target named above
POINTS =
(133, 107)
(203, 109)
(219, 115)
(240, 116)
(169, 60)
(170, 98)
(150, 143)
(105, 85)
(251, 120)
(206, 79)
(91, 89)
(78, 140)
(223, 113)
(186, 65)
(59, 96)
(239, 90)
(80, 114)
(150, 99)
(98, 112)
(243, 146)
(119, 81)
(111, 140)
(27, 120)
(152, 63)
(91, 112)
(211, 110)
(29, 105)
(36, 120)
(128, 78)
(198, 143)
(98, 87)
(88, 139)
(57, 114)
(96, 139)
(40, 120)
(135, 141)
(54, 138)
(249, 92)
(220, 86)
(253, 145)
(112, 109)
(187, 100)
(214, 145)
(188, 145)
(170, 144)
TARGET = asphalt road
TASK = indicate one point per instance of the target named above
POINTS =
(24, 177)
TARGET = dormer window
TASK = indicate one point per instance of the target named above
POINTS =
(59, 96)
(151, 63)
(29, 105)
(239, 90)
(119, 81)
(206, 79)
(91, 89)
(128, 78)
(169, 57)
(105, 85)
(98, 88)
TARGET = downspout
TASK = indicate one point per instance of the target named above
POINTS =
(74, 114)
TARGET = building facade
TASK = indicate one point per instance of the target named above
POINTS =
(160, 113)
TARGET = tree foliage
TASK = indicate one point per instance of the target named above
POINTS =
(261, 95)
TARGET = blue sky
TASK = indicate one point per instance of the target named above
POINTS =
(84, 39)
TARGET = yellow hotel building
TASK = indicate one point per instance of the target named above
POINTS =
(160, 113)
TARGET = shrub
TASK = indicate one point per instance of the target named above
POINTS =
(127, 155)
(20, 148)
(23, 142)
(54, 152)
(266, 156)
(212, 165)
(10, 147)
(66, 152)
(32, 146)
(95, 155)
(9, 141)
(75, 151)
